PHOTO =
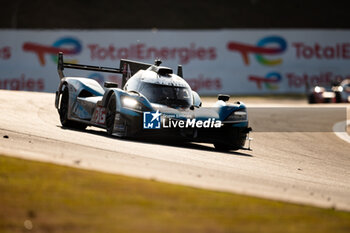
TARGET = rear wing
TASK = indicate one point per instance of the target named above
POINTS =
(127, 68)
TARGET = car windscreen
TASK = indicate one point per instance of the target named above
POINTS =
(172, 96)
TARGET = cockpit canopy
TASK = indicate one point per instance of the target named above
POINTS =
(161, 86)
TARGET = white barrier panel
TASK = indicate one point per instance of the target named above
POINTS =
(214, 61)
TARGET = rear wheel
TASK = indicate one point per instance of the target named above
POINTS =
(63, 111)
(110, 116)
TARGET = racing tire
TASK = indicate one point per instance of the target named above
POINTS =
(63, 112)
(311, 99)
(224, 147)
(110, 115)
(338, 97)
(234, 139)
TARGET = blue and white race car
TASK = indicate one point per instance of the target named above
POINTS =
(152, 101)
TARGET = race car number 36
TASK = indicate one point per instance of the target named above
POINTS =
(99, 115)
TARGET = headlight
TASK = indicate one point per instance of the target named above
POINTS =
(240, 115)
(317, 89)
(129, 102)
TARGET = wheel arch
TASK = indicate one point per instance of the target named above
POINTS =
(108, 95)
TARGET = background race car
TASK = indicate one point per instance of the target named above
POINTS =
(338, 93)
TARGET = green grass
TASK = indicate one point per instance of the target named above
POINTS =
(62, 199)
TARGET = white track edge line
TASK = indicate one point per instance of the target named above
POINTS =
(339, 130)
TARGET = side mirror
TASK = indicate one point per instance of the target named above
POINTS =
(223, 97)
(110, 85)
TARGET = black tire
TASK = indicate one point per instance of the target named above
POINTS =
(110, 115)
(225, 147)
(63, 111)
(338, 97)
(221, 147)
(311, 99)
(232, 139)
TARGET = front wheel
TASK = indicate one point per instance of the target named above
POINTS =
(63, 112)
(232, 138)
(110, 115)
(338, 97)
(311, 99)
(223, 147)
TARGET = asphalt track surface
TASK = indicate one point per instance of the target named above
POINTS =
(303, 167)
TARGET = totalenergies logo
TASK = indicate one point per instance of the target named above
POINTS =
(277, 46)
(270, 81)
(67, 45)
